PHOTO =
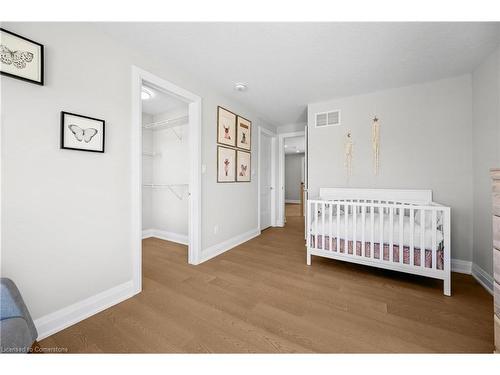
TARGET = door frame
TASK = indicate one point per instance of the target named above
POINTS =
(262, 130)
(195, 117)
(281, 174)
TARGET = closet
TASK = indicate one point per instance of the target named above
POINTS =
(165, 166)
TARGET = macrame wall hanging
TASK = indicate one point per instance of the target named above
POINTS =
(348, 148)
(375, 144)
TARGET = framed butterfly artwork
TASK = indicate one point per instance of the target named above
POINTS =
(21, 57)
(243, 166)
(82, 133)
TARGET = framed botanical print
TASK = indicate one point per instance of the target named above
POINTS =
(226, 164)
(244, 133)
(82, 133)
(243, 167)
(21, 57)
(226, 127)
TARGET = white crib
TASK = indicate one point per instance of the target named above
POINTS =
(383, 228)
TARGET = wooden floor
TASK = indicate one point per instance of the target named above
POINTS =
(261, 297)
(292, 209)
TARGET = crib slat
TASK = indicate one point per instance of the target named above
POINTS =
(381, 213)
(422, 238)
(372, 222)
(346, 231)
(391, 233)
(330, 211)
(401, 234)
(363, 217)
(354, 223)
(338, 227)
(434, 239)
(412, 245)
(316, 225)
(323, 225)
(308, 237)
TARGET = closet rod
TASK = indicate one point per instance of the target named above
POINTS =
(181, 119)
(167, 186)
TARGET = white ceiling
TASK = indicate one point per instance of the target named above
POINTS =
(295, 145)
(288, 65)
(161, 102)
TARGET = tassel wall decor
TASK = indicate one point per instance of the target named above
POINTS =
(375, 144)
(348, 147)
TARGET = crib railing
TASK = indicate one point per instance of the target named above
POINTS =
(325, 235)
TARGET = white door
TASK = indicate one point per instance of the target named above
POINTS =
(305, 184)
(265, 181)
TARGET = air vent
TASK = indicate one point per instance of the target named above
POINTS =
(331, 118)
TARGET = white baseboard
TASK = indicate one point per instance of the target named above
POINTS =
(147, 233)
(222, 247)
(469, 268)
(58, 320)
(483, 278)
(461, 266)
(167, 236)
(293, 201)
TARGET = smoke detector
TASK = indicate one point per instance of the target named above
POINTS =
(240, 86)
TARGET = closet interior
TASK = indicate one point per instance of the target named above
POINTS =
(165, 166)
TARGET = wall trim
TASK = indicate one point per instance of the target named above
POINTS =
(483, 278)
(461, 266)
(469, 268)
(215, 250)
(138, 76)
(58, 320)
(293, 201)
(183, 239)
(262, 130)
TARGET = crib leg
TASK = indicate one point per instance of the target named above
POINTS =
(308, 260)
(447, 286)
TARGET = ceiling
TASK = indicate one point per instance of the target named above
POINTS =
(295, 145)
(161, 102)
(288, 65)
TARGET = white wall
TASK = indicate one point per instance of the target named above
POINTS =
(486, 152)
(425, 143)
(147, 173)
(66, 214)
(291, 128)
(293, 175)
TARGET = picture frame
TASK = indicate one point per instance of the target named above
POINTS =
(82, 133)
(21, 58)
(226, 164)
(226, 127)
(243, 166)
(244, 133)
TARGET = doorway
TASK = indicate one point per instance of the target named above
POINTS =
(267, 171)
(292, 152)
(166, 166)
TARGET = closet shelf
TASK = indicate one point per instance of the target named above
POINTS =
(168, 124)
(168, 187)
(151, 154)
